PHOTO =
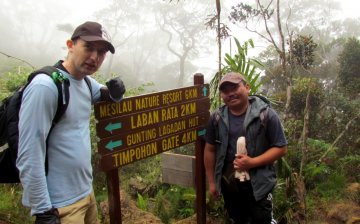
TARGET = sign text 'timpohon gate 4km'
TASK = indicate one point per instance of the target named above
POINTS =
(146, 125)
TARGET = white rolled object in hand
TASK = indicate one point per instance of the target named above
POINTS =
(241, 150)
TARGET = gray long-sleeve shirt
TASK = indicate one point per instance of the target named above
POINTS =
(69, 151)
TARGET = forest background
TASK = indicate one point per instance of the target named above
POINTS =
(303, 55)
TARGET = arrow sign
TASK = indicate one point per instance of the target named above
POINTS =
(118, 158)
(204, 90)
(112, 144)
(202, 132)
(110, 127)
(151, 133)
(145, 119)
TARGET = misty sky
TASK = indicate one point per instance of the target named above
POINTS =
(36, 20)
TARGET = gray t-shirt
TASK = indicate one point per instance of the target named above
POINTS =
(236, 130)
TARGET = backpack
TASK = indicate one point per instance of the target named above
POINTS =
(9, 119)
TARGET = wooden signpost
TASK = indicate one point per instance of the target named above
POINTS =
(143, 126)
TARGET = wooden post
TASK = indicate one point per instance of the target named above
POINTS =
(200, 169)
(113, 184)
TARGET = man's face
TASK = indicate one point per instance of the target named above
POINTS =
(86, 57)
(235, 95)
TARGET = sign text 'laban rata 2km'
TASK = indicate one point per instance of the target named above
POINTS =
(146, 125)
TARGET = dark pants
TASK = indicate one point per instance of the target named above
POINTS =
(240, 202)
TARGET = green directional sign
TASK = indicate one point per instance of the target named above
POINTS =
(113, 144)
(111, 127)
(202, 132)
(205, 90)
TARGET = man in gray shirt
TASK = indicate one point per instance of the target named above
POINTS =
(65, 192)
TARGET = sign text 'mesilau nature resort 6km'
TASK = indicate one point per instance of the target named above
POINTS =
(129, 105)
(146, 125)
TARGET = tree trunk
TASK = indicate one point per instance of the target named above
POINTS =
(300, 189)
(218, 10)
(300, 192)
(182, 71)
(305, 133)
(284, 61)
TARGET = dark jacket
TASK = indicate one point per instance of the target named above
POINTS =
(263, 179)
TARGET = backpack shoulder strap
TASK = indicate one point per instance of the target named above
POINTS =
(62, 84)
(264, 113)
(263, 116)
(88, 83)
(216, 118)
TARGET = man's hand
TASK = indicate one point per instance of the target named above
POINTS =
(48, 217)
(116, 88)
(213, 192)
(243, 162)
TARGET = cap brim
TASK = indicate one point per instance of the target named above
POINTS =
(228, 82)
(97, 38)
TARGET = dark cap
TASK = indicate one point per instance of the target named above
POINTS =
(93, 31)
(232, 77)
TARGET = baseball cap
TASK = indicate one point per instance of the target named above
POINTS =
(93, 31)
(232, 77)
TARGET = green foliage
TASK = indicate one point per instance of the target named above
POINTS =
(331, 187)
(142, 202)
(283, 202)
(188, 199)
(11, 208)
(349, 165)
(244, 65)
(299, 93)
(349, 75)
(315, 173)
(316, 149)
(215, 208)
(337, 112)
(178, 201)
(238, 63)
(186, 212)
(283, 168)
(302, 51)
(160, 208)
(244, 13)
(182, 199)
(12, 80)
(293, 128)
(149, 170)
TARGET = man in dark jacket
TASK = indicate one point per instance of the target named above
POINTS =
(248, 201)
